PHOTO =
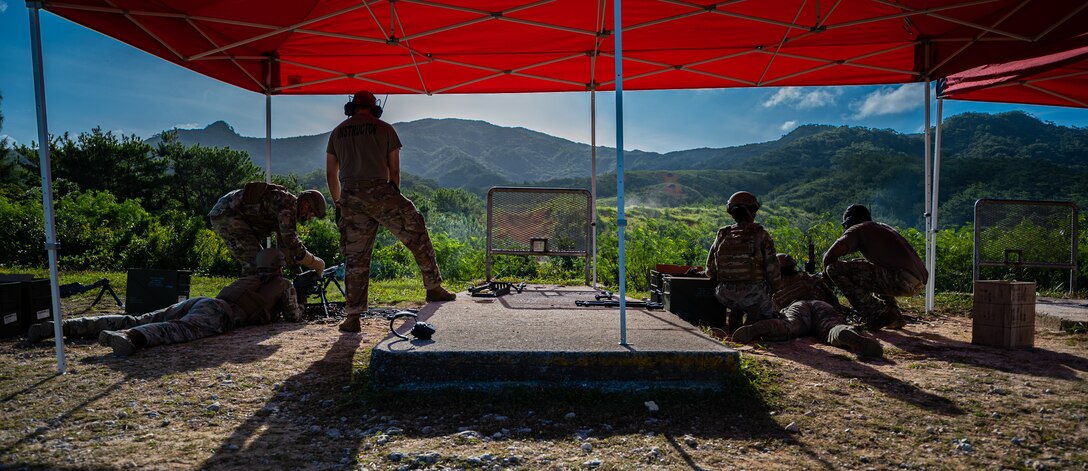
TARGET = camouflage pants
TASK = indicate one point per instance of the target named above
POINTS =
(872, 289)
(182, 322)
(815, 318)
(242, 241)
(750, 298)
(363, 207)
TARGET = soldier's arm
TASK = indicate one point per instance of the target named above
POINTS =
(711, 267)
(287, 218)
(841, 247)
(394, 167)
(332, 176)
(771, 269)
(288, 305)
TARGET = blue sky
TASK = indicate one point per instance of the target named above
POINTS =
(93, 80)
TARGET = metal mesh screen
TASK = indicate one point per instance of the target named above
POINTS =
(538, 221)
(1025, 234)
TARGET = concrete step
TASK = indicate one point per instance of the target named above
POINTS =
(540, 338)
(1069, 315)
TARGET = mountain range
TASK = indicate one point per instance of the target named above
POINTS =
(815, 168)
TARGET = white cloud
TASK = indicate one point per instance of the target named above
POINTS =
(188, 126)
(3, 6)
(889, 100)
(4, 137)
(788, 126)
(803, 98)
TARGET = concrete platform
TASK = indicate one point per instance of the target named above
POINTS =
(1062, 314)
(540, 338)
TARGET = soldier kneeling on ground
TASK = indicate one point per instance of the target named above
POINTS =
(251, 300)
(815, 318)
(743, 264)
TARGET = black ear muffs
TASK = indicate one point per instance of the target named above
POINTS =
(376, 110)
(421, 331)
(349, 109)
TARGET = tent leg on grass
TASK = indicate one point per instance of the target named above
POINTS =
(47, 179)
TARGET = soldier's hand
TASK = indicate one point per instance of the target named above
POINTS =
(318, 264)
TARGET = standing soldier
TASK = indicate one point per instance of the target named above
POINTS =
(891, 268)
(251, 300)
(245, 217)
(363, 172)
(815, 318)
(742, 261)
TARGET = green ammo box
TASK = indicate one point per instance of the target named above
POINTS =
(11, 297)
(150, 290)
(692, 299)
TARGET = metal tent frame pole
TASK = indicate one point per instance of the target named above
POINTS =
(932, 236)
(267, 137)
(47, 179)
(593, 178)
(621, 220)
(929, 200)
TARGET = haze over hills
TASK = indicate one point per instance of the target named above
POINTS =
(815, 168)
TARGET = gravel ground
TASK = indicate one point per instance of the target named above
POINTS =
(293, 396)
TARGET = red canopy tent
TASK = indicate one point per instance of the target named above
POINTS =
(498, 46)
(1056, 75)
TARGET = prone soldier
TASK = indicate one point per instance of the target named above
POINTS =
(815, 318)
(743, 263)
(244, 217)
(251, 300)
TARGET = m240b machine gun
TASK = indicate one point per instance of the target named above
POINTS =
(313, 283)
(72, 289)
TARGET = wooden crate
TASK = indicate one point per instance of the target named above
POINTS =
(1003, 314)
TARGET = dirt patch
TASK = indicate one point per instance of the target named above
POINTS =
(294, 396)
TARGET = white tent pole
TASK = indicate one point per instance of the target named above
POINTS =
(932, 267)
(621, 221)
(593, 177)
(929, 196)
(47, 179)
(268, 137)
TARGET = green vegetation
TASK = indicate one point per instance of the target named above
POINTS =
(125, 203)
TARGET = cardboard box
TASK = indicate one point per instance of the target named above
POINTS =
(1003, 314)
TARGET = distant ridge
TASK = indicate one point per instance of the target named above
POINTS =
(817, 168)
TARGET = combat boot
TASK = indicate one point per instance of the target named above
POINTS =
(846, 336)
(440, 294)
(772, 328)
(121, 344)
(888, 317)
(40, 331)
(351, 323)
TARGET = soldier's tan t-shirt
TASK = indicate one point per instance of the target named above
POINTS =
(362, 145)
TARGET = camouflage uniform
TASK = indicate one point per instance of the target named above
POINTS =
(742, 260)
(243, 218)
(815, 318)
(362, 147)
(363, 206)
(257, 299)
(802, 286)
(891, 268)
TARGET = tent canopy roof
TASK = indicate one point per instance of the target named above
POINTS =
(498, 46)
(1054, 75)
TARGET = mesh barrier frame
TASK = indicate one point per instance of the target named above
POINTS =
(980, 245)
(582, 249)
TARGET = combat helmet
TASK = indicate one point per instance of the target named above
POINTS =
(316, 200)
(742, 198)
(270, 260)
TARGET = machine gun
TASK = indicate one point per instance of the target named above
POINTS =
(72, 289)
(311, 283)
